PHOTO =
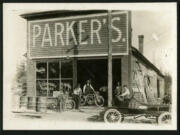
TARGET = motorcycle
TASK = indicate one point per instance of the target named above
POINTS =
(91, 99)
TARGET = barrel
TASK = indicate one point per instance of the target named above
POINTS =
(41, 104)
(23, 102)
(31, 103)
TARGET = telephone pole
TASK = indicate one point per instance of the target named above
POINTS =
(109, 60)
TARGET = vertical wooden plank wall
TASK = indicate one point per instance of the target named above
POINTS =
(31, 78)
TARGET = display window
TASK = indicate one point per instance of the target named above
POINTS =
(52, 77)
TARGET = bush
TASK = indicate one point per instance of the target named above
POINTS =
(20, 87)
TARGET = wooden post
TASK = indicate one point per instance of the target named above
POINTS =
(74, 72)
(109, 60)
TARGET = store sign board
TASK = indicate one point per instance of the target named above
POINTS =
(78, 36)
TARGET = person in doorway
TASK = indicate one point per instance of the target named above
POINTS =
(77, 92)
(118, 89)
(88, 88)
(117, 93)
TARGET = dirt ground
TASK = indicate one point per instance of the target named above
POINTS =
(84, 114)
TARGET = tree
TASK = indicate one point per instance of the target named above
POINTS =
(20, 80)
(168, 83)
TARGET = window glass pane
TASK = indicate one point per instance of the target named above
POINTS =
(53, 70)
(67, 85)
(41, 70)
(66, 69)
(41, 86)
(53, 86)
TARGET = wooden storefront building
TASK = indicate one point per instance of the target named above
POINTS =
(69, 47)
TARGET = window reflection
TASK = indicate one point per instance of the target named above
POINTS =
(52, 79)
(53, 86)
(66, 69)
(54, 70)
(41, 70)
(66, 86)
(41, 86)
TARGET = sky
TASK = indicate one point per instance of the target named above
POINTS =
(156, 21)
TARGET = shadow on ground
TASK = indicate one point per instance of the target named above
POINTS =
(95, 118)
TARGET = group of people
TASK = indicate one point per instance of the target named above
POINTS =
(120, 93)
(77, 92)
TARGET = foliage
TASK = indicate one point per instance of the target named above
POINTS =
(168, 83)
(21, 85)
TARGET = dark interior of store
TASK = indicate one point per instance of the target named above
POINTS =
(96, 70)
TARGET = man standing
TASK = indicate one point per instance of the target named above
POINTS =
(77, 94)
(61, 101)
(125, 95)
(88, 88)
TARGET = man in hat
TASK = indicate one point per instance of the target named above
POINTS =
(88, 88)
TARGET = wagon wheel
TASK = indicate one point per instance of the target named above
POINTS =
(112, 116)
(70, 104)
(164, 118)
(99, 101)
(90, 99)
(82, 100)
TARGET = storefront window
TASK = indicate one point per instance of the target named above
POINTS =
(53, 86)
(41, 82)
(41, 86)
(67, 85)
(66, 69)
(53, 76)
(53, 70)
(41, 70)
(66, 76)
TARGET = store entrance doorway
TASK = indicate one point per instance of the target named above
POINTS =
(97, 71)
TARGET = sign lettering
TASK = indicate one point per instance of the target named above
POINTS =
(58, 37)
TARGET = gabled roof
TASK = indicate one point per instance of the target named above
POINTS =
(140, 56)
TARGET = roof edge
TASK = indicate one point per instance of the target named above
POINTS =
(61, 13)
(145, 60)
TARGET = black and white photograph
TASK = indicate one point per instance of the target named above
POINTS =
(90, 66)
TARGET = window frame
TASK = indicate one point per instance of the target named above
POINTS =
(47, 79)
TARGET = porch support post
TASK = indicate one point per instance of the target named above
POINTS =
(74, 72)
(109, 60)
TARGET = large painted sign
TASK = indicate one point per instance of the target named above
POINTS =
(78, 36)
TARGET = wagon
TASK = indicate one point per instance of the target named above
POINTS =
(116, 114)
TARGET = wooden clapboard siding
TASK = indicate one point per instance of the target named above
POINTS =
(96, 48)
(147, 86)
(31, 78)
(125, 70)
